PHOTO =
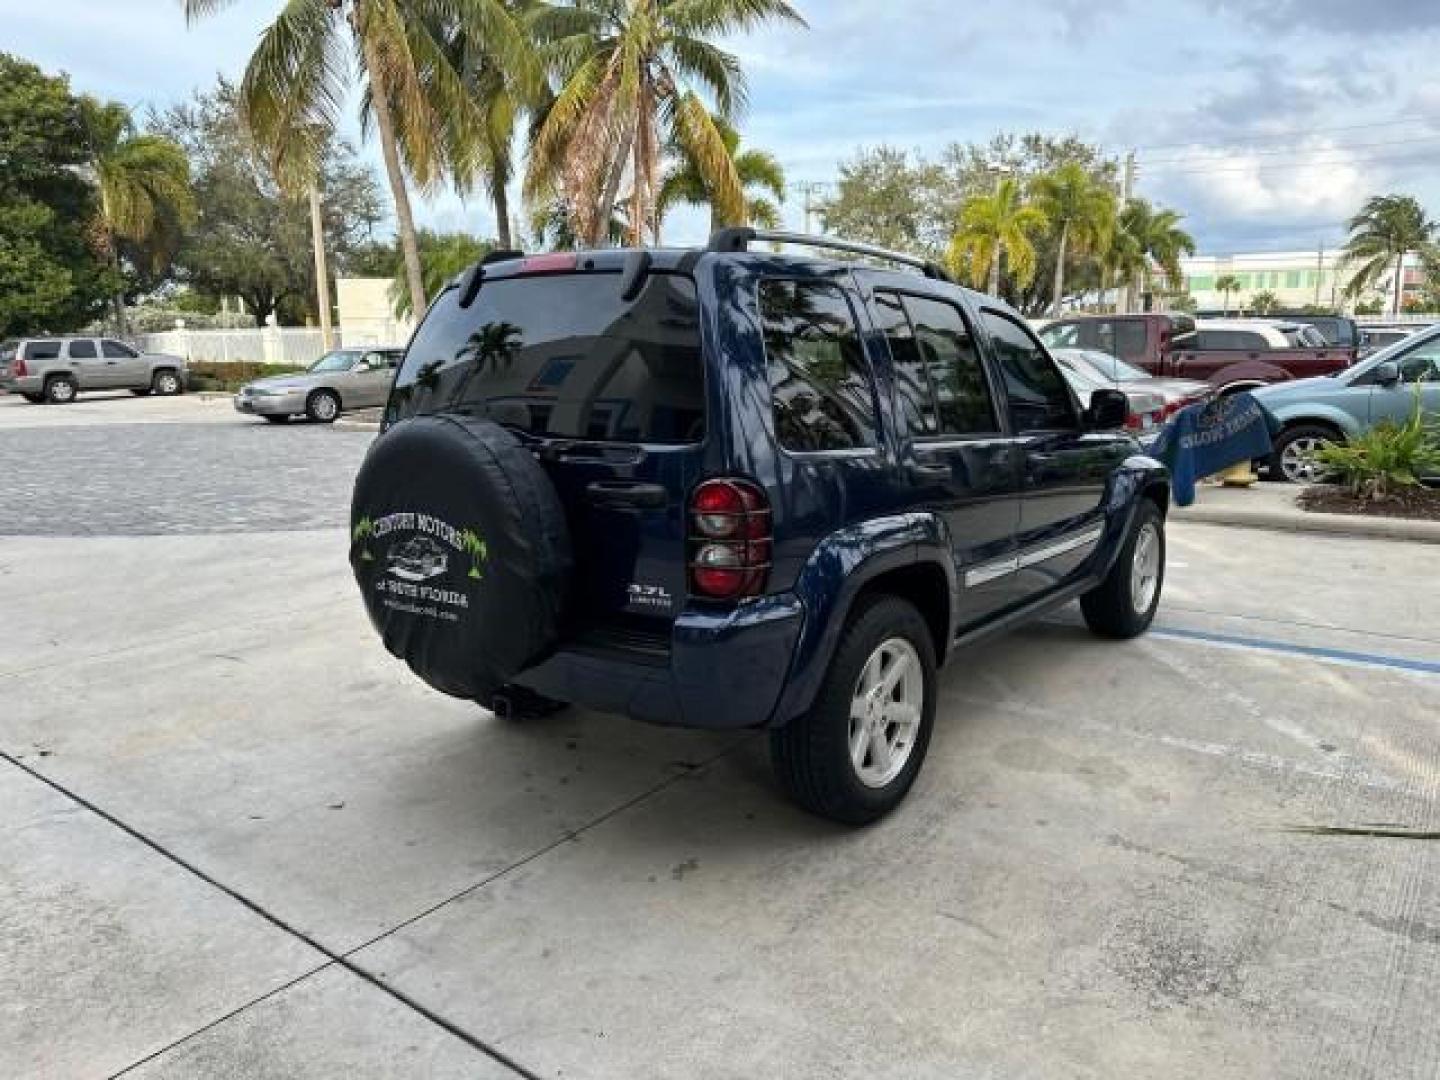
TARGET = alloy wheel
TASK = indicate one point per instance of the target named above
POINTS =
(885, 712)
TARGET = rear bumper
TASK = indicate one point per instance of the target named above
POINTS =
(723, 669)
(27, 384)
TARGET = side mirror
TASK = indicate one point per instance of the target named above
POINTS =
(1109, 409)
(1388, 373)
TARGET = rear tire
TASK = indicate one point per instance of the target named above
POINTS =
(140, 391)
(1124, 604)
(167, 383)
(34, 399)
(853, 757)
(277, 419)
(323, 406)
(61, 389)
(1288, 458)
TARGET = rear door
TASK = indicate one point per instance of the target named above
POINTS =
(93, 371)
(367, 384)
(959, 458)
(1066, 469)
(609, 393)
(1419, 378)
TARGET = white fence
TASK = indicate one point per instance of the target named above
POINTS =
(293, 346)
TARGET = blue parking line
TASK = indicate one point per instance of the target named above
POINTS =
(1343, 656)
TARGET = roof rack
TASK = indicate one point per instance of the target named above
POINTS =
(740, 239)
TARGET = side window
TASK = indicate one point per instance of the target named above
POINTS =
(912, 385)
(947, 349)
(43, 350)
(819, 384)
(1130, 336)
(1062, 336)
(1039, 397)
(1251, 342)
(115, 350)
(84, 349)
(1421, 365)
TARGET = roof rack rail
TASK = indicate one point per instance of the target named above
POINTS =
(740, 239)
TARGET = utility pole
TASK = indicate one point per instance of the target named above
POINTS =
(1319, 272)
(1127, 192)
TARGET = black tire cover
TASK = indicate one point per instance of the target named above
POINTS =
(460, 548)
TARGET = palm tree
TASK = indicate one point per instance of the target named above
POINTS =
(1264, 303)
(1158, 235)
(1227, 284)
(995, 226)
(442, 256)
(144, 186)
(416, 97)
(1387, 228)
(625, 69)
(1082, 208)
(758, 171)
(1122, 260)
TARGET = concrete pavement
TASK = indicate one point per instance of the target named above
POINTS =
(239, 840)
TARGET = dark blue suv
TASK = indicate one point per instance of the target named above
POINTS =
(732, 488)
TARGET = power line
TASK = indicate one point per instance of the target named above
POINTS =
(1200, 155)
(1291, 166)
(1283, 134)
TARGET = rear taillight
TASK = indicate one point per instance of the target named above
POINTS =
(729, 539)
(18, 369)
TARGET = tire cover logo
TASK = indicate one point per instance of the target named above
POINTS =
(417, 551)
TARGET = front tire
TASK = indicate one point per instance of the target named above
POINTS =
(853, 757)
(61, 390)
(1293, 457)
(1123, 605)
(167, 384)
(323, 406)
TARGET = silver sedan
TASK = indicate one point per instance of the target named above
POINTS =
(339, 380)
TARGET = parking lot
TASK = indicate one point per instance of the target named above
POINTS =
(239, 839)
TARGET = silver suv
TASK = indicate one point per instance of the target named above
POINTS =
(56, 369)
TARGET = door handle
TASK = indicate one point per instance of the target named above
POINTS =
(930, 472)
(627, 495)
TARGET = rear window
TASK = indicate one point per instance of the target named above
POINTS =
(564, 357)
(42, 350)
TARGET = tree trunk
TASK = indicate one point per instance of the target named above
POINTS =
(1060, 271)
(501, 200)
(995, 269)
(1399, 283)
(322, 269)
(404, 219)
(122, 322)
(601, 230)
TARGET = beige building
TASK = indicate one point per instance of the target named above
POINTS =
(1297, 278)
(367, 313)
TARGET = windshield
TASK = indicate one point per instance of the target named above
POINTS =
(564, 356)
(1112, 368)
(335, 361)
(1082, 378)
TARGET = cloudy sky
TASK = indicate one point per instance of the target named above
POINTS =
(1266, 122)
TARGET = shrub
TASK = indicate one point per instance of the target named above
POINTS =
(1386, 457)
(211, 376)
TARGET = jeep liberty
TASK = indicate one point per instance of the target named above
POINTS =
(730, 488)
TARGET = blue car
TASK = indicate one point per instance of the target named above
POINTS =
(730, 488)
(1313, 412)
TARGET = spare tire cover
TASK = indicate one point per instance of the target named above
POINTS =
(459, 545)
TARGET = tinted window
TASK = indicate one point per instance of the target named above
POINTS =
(1225, 340)
(116, 350)
(82, 350)
(912, 385)
(564, 356)
(42, 350)
(1038, 396)
(818, 380)
(947, 350)
(1422, 364)
(1124, 338)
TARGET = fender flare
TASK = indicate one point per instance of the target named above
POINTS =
(838, 570)
(1244, 374)
(1316, 414)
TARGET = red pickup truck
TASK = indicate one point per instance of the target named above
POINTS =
(1231, 354)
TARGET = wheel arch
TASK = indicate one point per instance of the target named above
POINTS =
(908, 555)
